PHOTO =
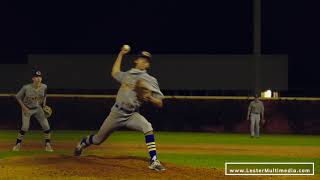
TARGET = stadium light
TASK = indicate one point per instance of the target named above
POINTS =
(266, 94)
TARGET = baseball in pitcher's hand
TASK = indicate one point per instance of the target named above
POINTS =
(125, 49)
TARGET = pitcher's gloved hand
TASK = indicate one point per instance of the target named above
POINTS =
(47, 111)
(143, 93)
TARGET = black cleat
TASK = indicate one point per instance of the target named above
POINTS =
(79, 148)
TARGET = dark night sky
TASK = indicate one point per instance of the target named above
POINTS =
(166, 26)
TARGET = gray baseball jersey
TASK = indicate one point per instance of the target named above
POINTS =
(256, 107)
(33, 99)
(124, 112)
(255, 110)
(126, 96)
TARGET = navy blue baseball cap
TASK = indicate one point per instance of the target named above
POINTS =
(145, 54)
(37, 73)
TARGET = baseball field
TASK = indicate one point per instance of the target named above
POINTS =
(124, 155)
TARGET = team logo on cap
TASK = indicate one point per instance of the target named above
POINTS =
(38, 73)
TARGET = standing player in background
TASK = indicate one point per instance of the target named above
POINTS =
(32, 99)
(255, 114)
(137, 87)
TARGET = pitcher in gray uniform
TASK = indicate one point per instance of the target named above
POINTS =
(125, 113)
(255, 114)
(32, 97)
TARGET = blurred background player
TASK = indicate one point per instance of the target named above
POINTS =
(124, 113)
(255, 114)
(32, 98)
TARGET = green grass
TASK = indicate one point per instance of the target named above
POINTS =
(6, 154)
(9, 153)
(180, 138)
(218, 161)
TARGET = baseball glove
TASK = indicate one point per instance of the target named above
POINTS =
(143, 93)
(47, 111)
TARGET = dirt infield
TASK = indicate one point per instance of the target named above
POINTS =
(61, 166)
(111, 165)
(97, 167)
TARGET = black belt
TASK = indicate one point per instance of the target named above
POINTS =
(255, 113)
(32, 108)
(125, 110)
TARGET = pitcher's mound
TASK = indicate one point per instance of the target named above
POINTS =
(95, 167)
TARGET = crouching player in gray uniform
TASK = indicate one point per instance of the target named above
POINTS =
(255, 114)
(32, 97)
(124, 113)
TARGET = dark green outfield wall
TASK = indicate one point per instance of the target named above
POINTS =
(177, 115)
